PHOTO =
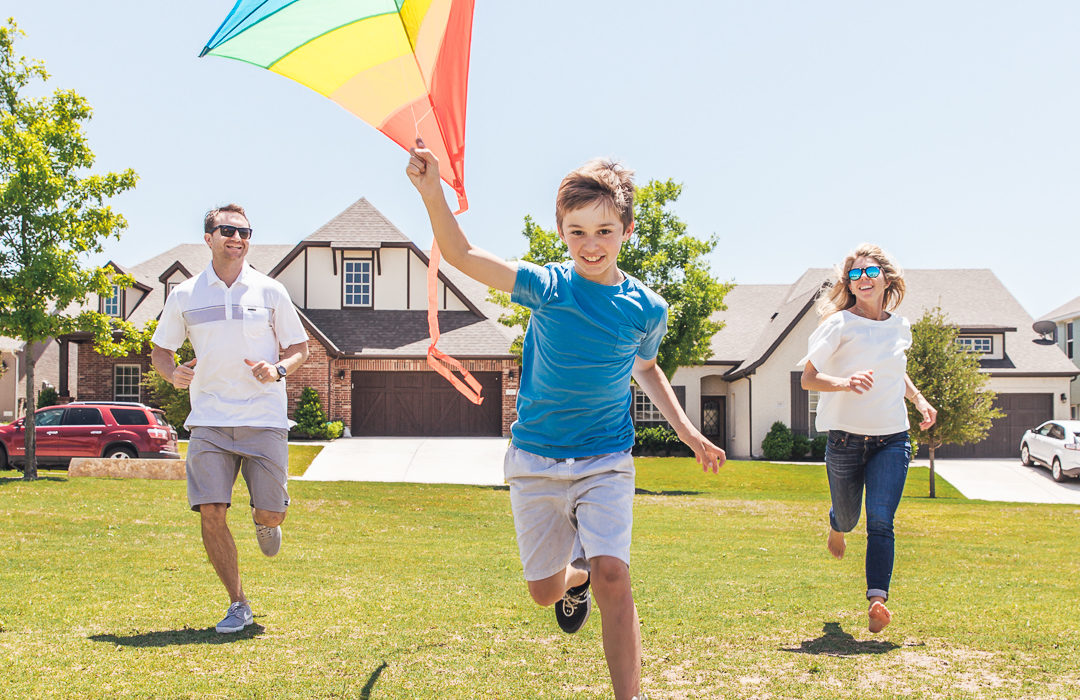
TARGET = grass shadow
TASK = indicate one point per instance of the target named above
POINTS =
(500, 487)
(19, 480)
(365, 692)
(169, 638)
(647, 492)
(834, 641)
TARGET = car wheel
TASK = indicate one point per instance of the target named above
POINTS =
(119, 453)
(1025, 456)
(1055, 469)
(3, 459)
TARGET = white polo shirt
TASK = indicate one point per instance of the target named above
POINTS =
(251, 320)
(845, 344)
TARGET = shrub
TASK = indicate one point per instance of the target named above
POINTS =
(309, 416)
(778, 443)
(658, 441)
(817, 447)
(334, 429)
(47, 397)
(800, 446)
(176, 403)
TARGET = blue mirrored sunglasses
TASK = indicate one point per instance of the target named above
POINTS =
(856, 273)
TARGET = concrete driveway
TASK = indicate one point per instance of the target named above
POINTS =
(1004, 480)
(476, 461)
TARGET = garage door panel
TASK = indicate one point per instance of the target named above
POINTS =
(1022, 411)
(423, 404)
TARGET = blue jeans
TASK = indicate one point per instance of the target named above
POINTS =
(880, 462)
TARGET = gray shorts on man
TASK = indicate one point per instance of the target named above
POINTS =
(216, 455)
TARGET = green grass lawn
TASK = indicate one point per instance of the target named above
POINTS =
(415, 591)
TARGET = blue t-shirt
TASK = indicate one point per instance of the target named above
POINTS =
(574, 398)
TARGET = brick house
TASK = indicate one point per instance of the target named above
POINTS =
(360, 286)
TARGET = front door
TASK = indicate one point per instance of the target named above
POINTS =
(714, 420)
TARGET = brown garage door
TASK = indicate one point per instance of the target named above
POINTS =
(423, 404)
(1022, 411)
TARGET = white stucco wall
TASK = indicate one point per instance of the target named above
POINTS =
(293, 279)
(390, 288)
(323, 286)
(704, 380)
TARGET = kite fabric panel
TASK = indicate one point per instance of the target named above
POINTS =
(400, 65)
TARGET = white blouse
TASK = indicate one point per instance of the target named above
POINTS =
(845, 344)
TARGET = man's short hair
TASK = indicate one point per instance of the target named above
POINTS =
(599, 180)
(211, 216)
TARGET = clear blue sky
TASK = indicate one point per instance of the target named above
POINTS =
(944, 131)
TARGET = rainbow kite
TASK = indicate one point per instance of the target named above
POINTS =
(400, 65)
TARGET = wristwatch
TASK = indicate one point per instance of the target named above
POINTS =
(280, 372)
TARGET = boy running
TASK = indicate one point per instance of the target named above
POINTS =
(569, 467)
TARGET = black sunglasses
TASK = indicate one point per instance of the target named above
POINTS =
(228, 231)
(856, 273)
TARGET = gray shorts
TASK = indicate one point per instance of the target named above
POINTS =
(216, 455)
(570, 510)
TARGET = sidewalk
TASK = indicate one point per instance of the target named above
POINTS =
(476, 461)
(1004, 480)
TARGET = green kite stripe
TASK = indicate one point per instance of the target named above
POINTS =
(277, 35)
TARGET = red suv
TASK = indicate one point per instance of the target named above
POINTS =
(91, 429)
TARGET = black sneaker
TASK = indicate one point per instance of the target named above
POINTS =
(573, 610)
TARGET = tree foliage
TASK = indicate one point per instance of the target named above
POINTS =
(664, 257)
(175, 403)
(52, 215)
(949, 377)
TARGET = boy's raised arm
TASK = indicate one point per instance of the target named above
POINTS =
(475, 262)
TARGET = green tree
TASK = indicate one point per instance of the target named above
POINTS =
(309, 415)
(52, 215)
(663, 256)
(949, 378)
(176, 403)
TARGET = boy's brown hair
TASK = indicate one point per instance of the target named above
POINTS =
(599, 180)
(208, 220)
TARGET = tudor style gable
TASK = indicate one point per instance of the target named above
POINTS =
(360, 260)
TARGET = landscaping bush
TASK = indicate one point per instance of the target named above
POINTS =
(658, 441)
(817, 447)
(800, 446)
(47, 397)
(334, 429)
(309, 416)
(311, 423)
(778, 443)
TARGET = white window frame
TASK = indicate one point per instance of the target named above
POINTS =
(356, 291)
(112, 306)
(812, 398)
(644, 410)
(117, 396)
(982, 344)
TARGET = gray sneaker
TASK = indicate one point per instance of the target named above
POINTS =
(269, 537)
(236, 618)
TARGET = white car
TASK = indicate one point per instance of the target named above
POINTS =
(1056, 444)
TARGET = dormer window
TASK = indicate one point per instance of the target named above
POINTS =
(357, 281)
(169, 287)
(982, 344)
(111, 306)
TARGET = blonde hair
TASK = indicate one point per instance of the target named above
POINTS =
(597, 181)
(838, 296)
